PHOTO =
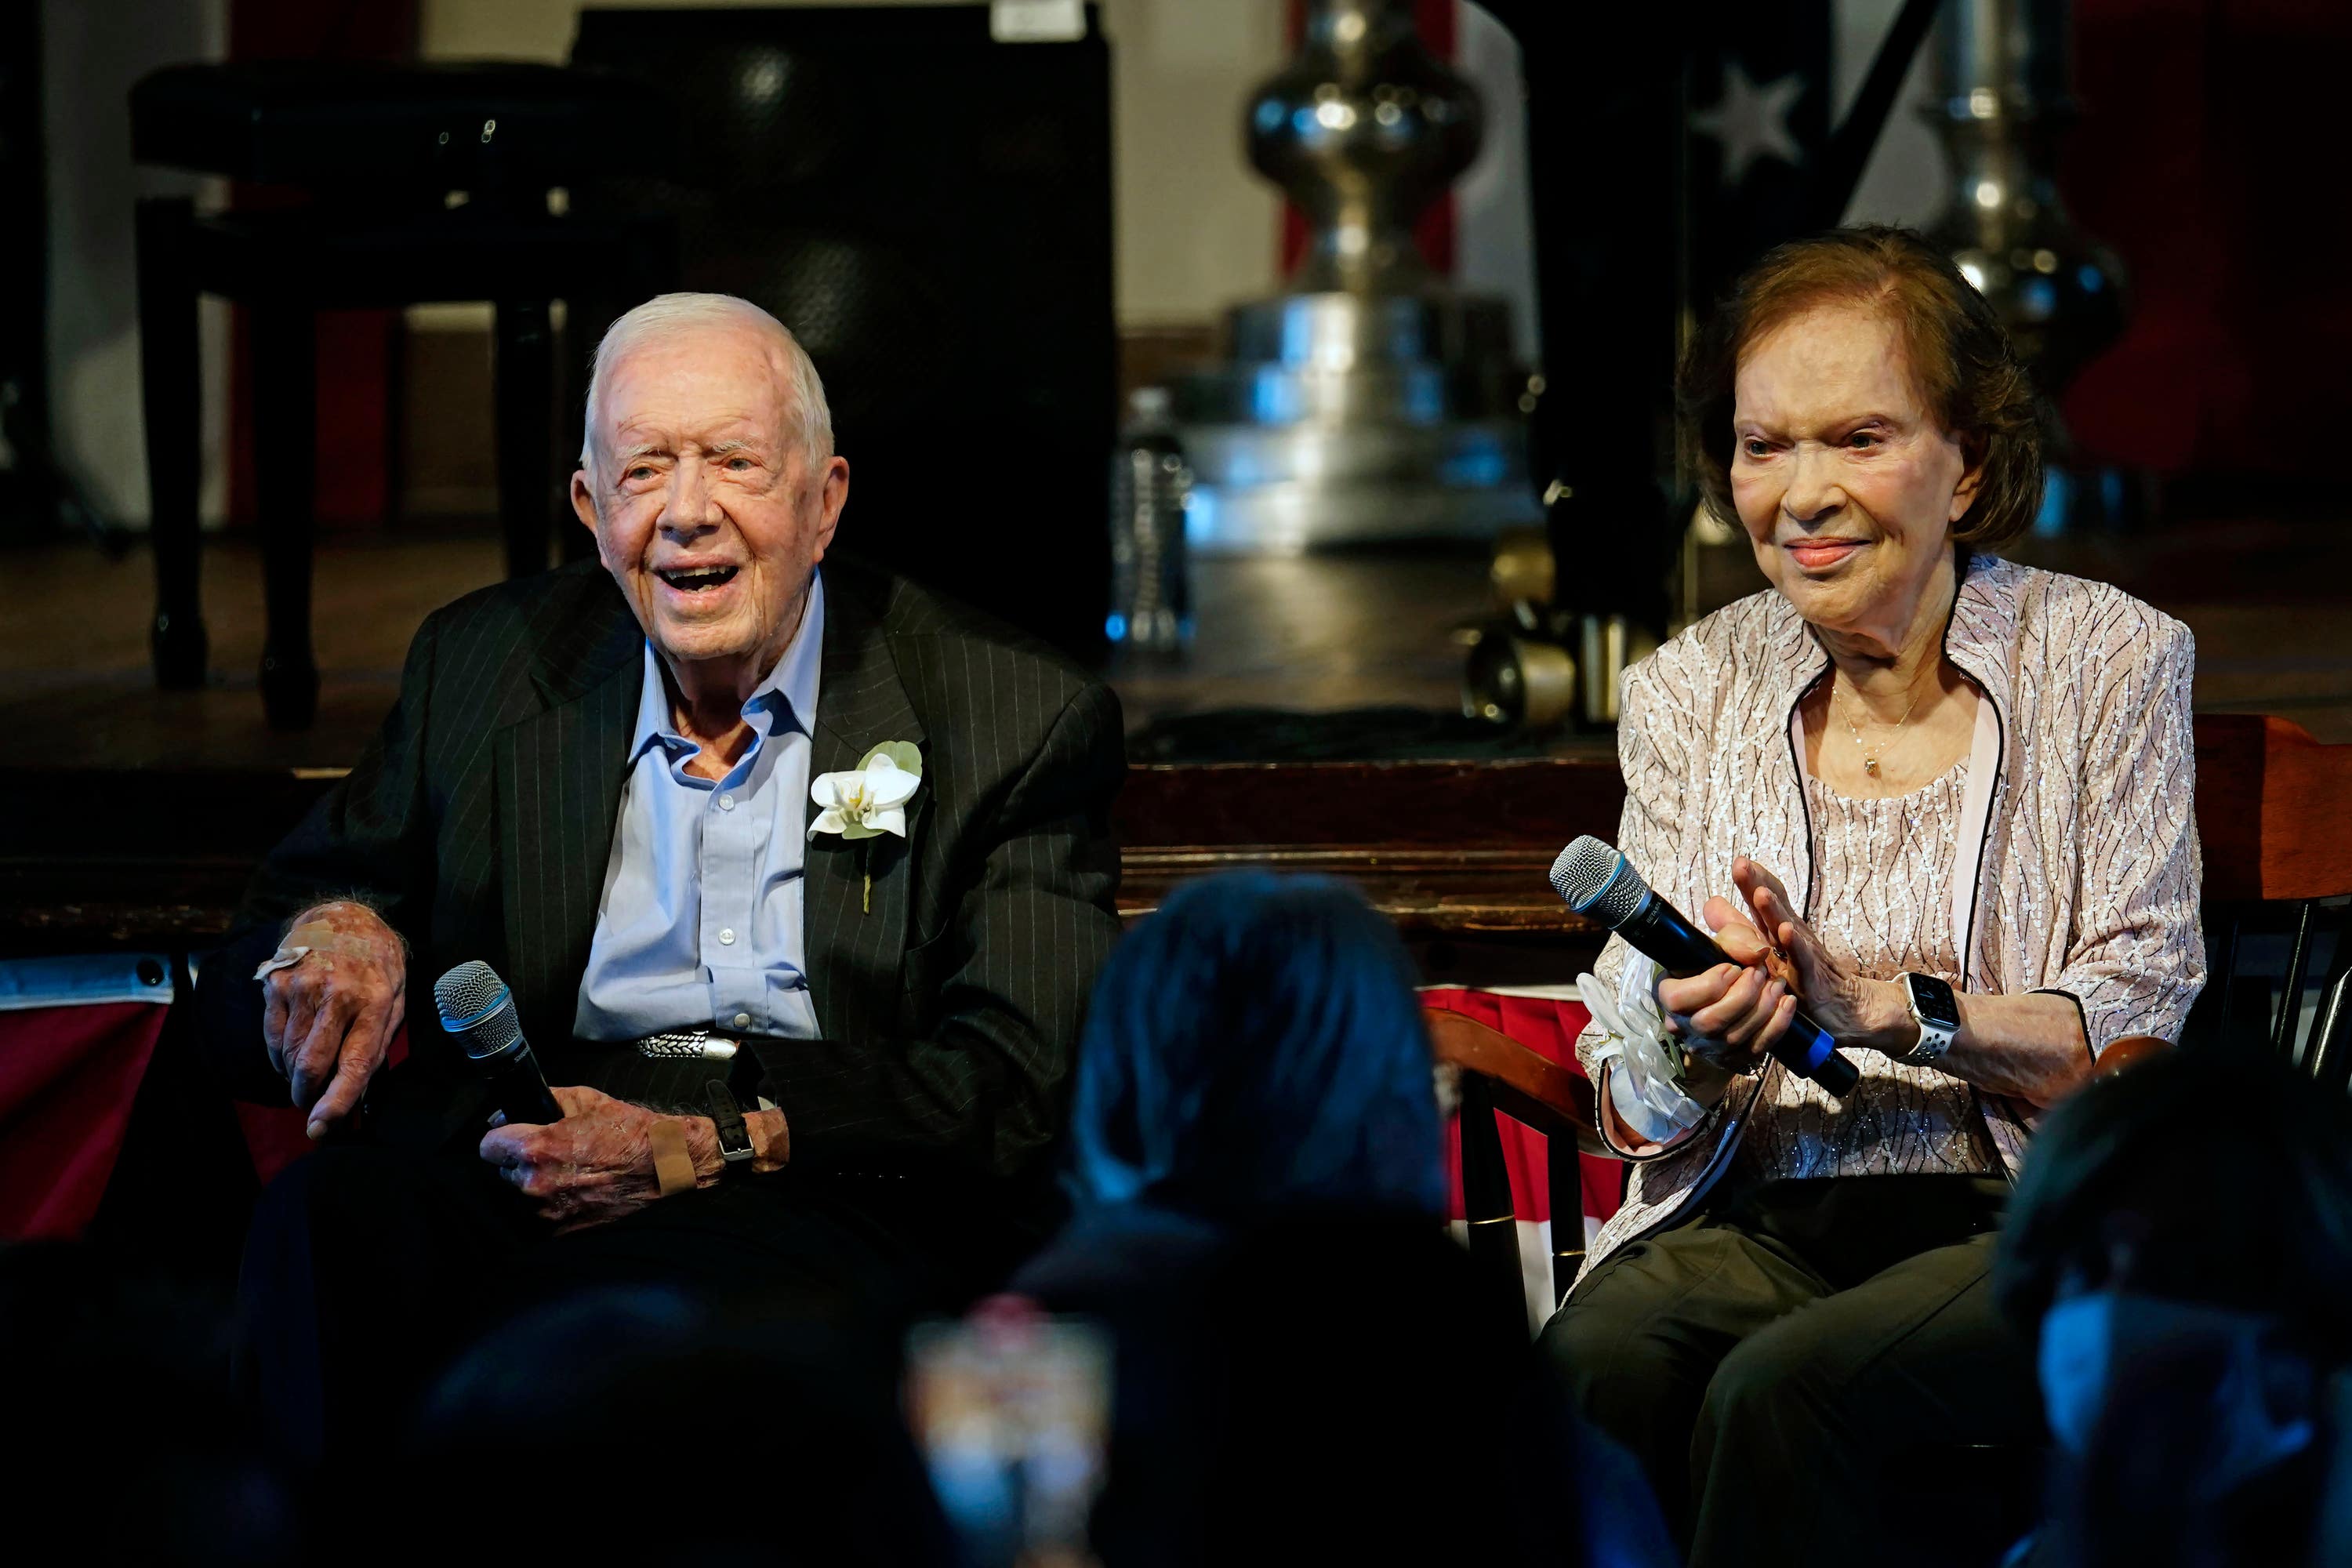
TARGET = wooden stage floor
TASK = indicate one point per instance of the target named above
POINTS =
(2271, 605)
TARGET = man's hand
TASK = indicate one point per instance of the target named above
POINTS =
(597, 1164)
(327, 1020)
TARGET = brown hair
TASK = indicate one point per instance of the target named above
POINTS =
(1967, 373)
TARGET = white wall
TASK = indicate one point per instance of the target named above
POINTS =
(1903, 181)
(92, 51)
(1494, 226)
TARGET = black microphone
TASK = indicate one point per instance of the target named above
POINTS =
(1596, 880)
(477, 1007)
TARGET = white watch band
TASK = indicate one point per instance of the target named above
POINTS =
(1935, 1038)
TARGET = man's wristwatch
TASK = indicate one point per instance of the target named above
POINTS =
(1938, 1012)
(734, 1138)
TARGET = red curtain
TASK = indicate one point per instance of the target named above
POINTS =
(2208, 157)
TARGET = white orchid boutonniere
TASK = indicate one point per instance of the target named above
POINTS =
(870, 801)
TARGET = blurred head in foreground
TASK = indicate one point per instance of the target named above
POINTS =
(128, 1439)
(2180, 1245)
(1257, 1047)
(636, 1424)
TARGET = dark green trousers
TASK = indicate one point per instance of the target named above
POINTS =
(1773, 1360)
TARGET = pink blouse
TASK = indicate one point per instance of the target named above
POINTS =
(2073, 861)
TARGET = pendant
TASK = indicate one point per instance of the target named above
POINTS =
(1870, 767)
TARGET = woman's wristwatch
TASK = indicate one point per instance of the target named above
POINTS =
(1937, 1011)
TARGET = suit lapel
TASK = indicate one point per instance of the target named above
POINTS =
(560, 773)
(853, 951)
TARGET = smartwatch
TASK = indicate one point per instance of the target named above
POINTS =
(1938, 1012)
(734, 1138)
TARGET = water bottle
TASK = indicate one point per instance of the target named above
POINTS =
(1150, 599)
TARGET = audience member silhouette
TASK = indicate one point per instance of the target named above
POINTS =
(638, 1423)
(1305, 1368)
(2180, 1245)
(126, 1444)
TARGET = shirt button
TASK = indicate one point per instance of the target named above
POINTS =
(742, 1020)
(727, 937)
(726, 803)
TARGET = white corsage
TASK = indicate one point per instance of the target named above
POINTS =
(1646, 1088)
(870, 801)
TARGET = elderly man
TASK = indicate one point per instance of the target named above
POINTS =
(636, 792)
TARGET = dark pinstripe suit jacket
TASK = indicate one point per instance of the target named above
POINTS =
(482, 817)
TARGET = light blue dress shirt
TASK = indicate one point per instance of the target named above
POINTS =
(700, 921)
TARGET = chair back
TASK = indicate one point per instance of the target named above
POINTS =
(2271, 809)
(1497, 1073)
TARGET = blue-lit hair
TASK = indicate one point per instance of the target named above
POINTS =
(1257, 1047)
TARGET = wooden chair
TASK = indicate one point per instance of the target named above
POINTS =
(2271, 809)
(1497, 1073)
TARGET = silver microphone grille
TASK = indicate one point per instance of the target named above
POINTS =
(1598, 881)
(476, 1006)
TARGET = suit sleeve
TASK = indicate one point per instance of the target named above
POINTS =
(369, 838)
(983, 1090)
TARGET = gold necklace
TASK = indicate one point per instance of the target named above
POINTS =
(1869, 757)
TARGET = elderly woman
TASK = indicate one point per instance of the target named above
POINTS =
(1941, 802)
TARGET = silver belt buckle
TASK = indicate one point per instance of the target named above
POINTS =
(681, 1044)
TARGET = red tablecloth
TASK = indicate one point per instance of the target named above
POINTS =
(67, 1075)
(77, 1035)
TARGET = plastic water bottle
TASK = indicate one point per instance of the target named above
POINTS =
(1151, 598)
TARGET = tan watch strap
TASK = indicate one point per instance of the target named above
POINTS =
(673, 1166)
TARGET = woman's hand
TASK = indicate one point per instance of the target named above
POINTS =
(1728, 1016)
(1867, 1015)
(597, 1164)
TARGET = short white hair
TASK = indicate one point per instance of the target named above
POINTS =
(812, 418)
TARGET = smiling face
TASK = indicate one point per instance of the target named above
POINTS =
(707, 510)
(1846, 481)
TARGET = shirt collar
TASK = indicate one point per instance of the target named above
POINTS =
(785, 698)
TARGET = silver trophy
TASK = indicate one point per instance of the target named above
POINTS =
(1369, 402)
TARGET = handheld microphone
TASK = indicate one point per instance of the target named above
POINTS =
(1596, 880)
(476, 1006)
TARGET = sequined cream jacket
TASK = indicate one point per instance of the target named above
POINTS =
(2076, 823)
